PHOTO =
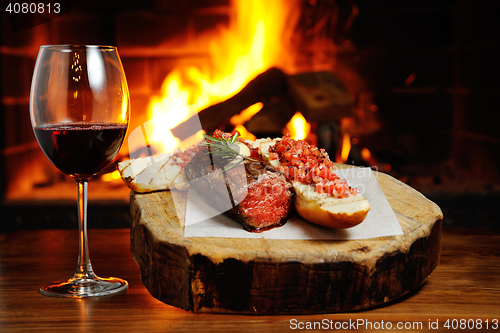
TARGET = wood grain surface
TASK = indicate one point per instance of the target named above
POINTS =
(465, 285)
(268, 276)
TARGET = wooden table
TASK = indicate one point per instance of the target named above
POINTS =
(465, 286)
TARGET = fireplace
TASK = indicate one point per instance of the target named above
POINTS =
(408, 89)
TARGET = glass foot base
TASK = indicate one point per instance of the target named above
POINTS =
(78, 288)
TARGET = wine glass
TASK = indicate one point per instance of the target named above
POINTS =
(80, 109)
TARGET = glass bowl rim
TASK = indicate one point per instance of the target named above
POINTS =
(79, 47)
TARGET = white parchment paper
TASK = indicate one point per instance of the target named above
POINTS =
(204, 221)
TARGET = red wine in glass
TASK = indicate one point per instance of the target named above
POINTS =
(80, 110)
(80, 149)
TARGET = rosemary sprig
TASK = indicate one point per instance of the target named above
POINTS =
(223, 149)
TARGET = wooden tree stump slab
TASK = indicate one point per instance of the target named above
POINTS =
(263, 276)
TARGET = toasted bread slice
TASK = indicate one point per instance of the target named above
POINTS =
(321, 208)
(153, 173)
(159, 172)
(325, 210)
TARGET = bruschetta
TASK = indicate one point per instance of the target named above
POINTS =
(321, 197)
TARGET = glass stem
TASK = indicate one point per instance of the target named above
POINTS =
(84, 267)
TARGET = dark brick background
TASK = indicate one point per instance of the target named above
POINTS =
(449, 114)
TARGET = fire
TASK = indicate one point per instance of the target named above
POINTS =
(298, 127)
(110, 176)
(169, 111)
(244, 133)
(346, 143)
(246, 114)
(366, 154)
(346, 147)
(368, 157)
(256, 40)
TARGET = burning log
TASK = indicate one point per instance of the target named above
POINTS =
(319, 96)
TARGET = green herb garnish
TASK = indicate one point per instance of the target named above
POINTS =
(224, 151)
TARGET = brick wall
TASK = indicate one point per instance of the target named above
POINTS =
(138, 29)
(430, 69)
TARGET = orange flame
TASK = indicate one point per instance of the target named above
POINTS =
(110, 176)
(346, 147)
(366, 154)
(255, 41)
(298, 127)
(246, 114)
(244, 133)
(368, 157)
